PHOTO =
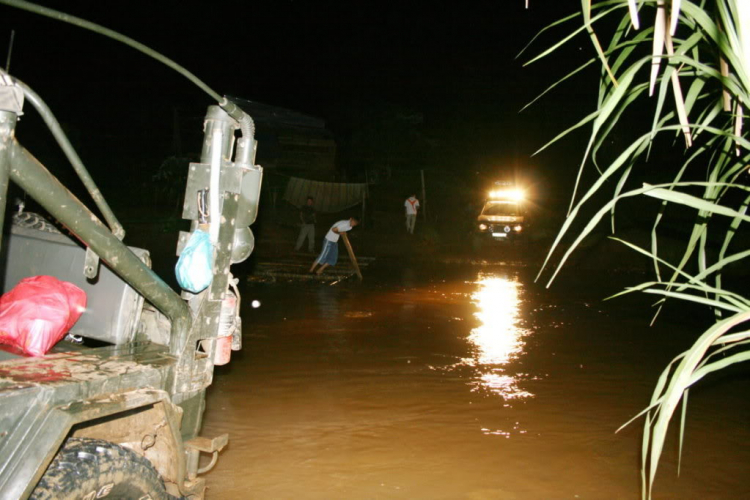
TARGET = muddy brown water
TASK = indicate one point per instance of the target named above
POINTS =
(460, 381)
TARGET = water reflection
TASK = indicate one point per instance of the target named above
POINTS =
(505, 385)
(498, 339)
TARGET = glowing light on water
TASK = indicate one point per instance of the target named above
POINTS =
(505, 385)
(498, 339)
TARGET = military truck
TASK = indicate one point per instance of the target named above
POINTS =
(116, 411)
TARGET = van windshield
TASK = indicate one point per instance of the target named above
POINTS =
(501, 208)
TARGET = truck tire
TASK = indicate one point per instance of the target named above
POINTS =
(91, 468)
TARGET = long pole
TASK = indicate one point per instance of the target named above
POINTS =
(351, 255)
(424, 197)
(364, 207)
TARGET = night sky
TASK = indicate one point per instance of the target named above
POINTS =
(452, 63)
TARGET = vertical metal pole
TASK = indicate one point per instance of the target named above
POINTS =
(217, 137)
(7, 130)
(424, 197)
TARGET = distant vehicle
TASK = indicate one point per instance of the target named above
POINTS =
(502, 218)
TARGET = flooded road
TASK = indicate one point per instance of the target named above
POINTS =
(461, 382)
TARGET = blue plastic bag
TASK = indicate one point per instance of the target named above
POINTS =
(194, 268)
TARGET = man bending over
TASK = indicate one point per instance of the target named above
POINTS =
(330, 253)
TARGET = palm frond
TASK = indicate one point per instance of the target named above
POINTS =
(700, 53)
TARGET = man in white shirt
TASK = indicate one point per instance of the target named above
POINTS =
(330, 253)
(412, 207)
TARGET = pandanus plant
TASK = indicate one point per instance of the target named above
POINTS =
(692, 59)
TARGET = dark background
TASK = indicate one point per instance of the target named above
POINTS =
(451, 69)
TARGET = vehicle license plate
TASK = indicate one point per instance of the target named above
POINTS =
(499, 235)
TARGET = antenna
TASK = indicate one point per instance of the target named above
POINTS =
(10, 50)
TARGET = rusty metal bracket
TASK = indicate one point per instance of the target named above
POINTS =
(91, 264)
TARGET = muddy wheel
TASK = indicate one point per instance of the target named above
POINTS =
(91, 468)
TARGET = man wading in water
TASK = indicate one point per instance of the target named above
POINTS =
(330, 253)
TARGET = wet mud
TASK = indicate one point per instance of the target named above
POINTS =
(460, 381)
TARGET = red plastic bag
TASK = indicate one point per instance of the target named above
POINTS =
(38, 312)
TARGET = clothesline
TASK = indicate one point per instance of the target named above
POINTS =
(330, 197)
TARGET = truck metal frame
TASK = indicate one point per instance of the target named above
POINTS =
(144, 391)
